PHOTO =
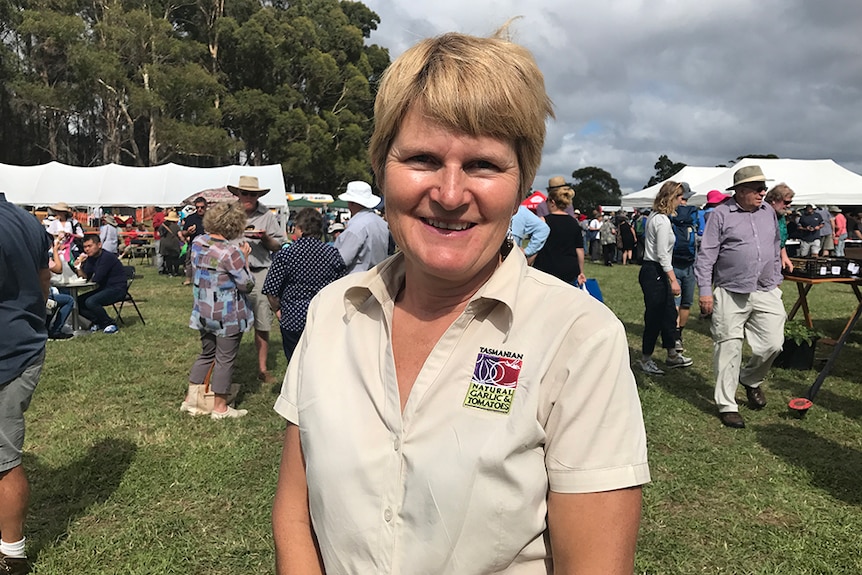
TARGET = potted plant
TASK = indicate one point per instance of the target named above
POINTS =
(800, 342)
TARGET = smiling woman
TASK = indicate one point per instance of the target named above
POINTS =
(465, 419)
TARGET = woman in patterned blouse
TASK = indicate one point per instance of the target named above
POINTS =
(221, 312)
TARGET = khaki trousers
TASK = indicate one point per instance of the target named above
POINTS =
(759, 318)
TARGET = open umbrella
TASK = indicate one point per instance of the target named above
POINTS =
(212, 195)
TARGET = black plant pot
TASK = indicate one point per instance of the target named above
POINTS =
(796, 356)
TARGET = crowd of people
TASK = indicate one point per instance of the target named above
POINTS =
(482, 416)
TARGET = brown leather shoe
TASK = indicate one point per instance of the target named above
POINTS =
(732, 419)
(265, 377)
(756, 397)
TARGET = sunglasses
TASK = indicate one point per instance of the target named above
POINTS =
(249, 194)
(758, 189)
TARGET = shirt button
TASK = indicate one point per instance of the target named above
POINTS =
(396, 445)
(387, 515)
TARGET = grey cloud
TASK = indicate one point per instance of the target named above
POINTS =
(700, 82)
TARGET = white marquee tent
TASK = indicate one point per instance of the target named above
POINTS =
(817, 182)
(691, 174)
(115, 185)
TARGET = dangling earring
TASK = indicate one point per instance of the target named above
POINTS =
(508, 244)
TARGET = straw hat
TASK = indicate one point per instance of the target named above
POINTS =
(360, 193)
(558, 182)
(248, 184)
(746, 175)
(61, 207)
(172, 216)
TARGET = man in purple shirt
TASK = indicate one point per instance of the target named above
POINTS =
(738, 271)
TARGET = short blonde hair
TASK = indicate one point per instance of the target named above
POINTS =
(227, 219)
(475, 86)
(663, 202)
(561, 196)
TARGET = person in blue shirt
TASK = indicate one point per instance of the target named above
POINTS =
(106, 270)
(24, 283)
(525, 224)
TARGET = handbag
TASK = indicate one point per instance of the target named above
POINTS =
(201, 397)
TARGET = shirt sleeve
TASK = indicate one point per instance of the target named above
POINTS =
(538, 232)
(663, 236)
(274, 283)
(349, 244)
(234, 262)
(707, 254)
(595, 436)
(272, 228)
(288, 398)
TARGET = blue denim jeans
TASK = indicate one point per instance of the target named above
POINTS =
(91, 305)
(686, 280)
(65, 304)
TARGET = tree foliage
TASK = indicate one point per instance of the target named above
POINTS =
(594, 187)
(206, 82)
(664, 169)
(756, 156)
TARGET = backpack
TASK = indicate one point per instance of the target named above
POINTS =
(685, 227)
(639, 227)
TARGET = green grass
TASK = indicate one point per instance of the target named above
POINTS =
(122, 483)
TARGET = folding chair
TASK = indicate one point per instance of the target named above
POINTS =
(130, 277)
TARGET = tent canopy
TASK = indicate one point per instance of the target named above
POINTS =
(690, 174)
(817, 182)
(114, 185)
(533, 200)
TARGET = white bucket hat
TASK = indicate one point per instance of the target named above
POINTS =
(360, 193)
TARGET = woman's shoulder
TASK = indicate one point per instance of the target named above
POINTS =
(538, 288)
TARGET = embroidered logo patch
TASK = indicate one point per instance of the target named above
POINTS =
(495, 379)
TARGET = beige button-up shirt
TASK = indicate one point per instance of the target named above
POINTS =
(529, 389)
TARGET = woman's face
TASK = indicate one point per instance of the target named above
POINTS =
(449, 198)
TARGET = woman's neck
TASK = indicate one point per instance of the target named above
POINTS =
(430, 298)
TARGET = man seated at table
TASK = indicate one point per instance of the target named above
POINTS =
(103, 268)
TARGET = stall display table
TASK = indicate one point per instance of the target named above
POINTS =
(804, 285)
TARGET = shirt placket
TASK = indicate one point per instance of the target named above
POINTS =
(401, 424)
(393, 491)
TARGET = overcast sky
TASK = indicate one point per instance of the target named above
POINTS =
(703, 82)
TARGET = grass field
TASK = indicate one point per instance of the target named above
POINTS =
(122, 483)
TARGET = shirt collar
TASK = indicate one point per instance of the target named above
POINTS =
(735, 207)
(383, 282)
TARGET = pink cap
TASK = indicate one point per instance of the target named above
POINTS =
(716, 197)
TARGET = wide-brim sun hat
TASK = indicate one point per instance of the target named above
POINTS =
(247, 184)
(558, 182)
(360, 193)
(834, 210)
(60, 207)
(172, 217)
(336, 227)
(716, 197)
(747, 175)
